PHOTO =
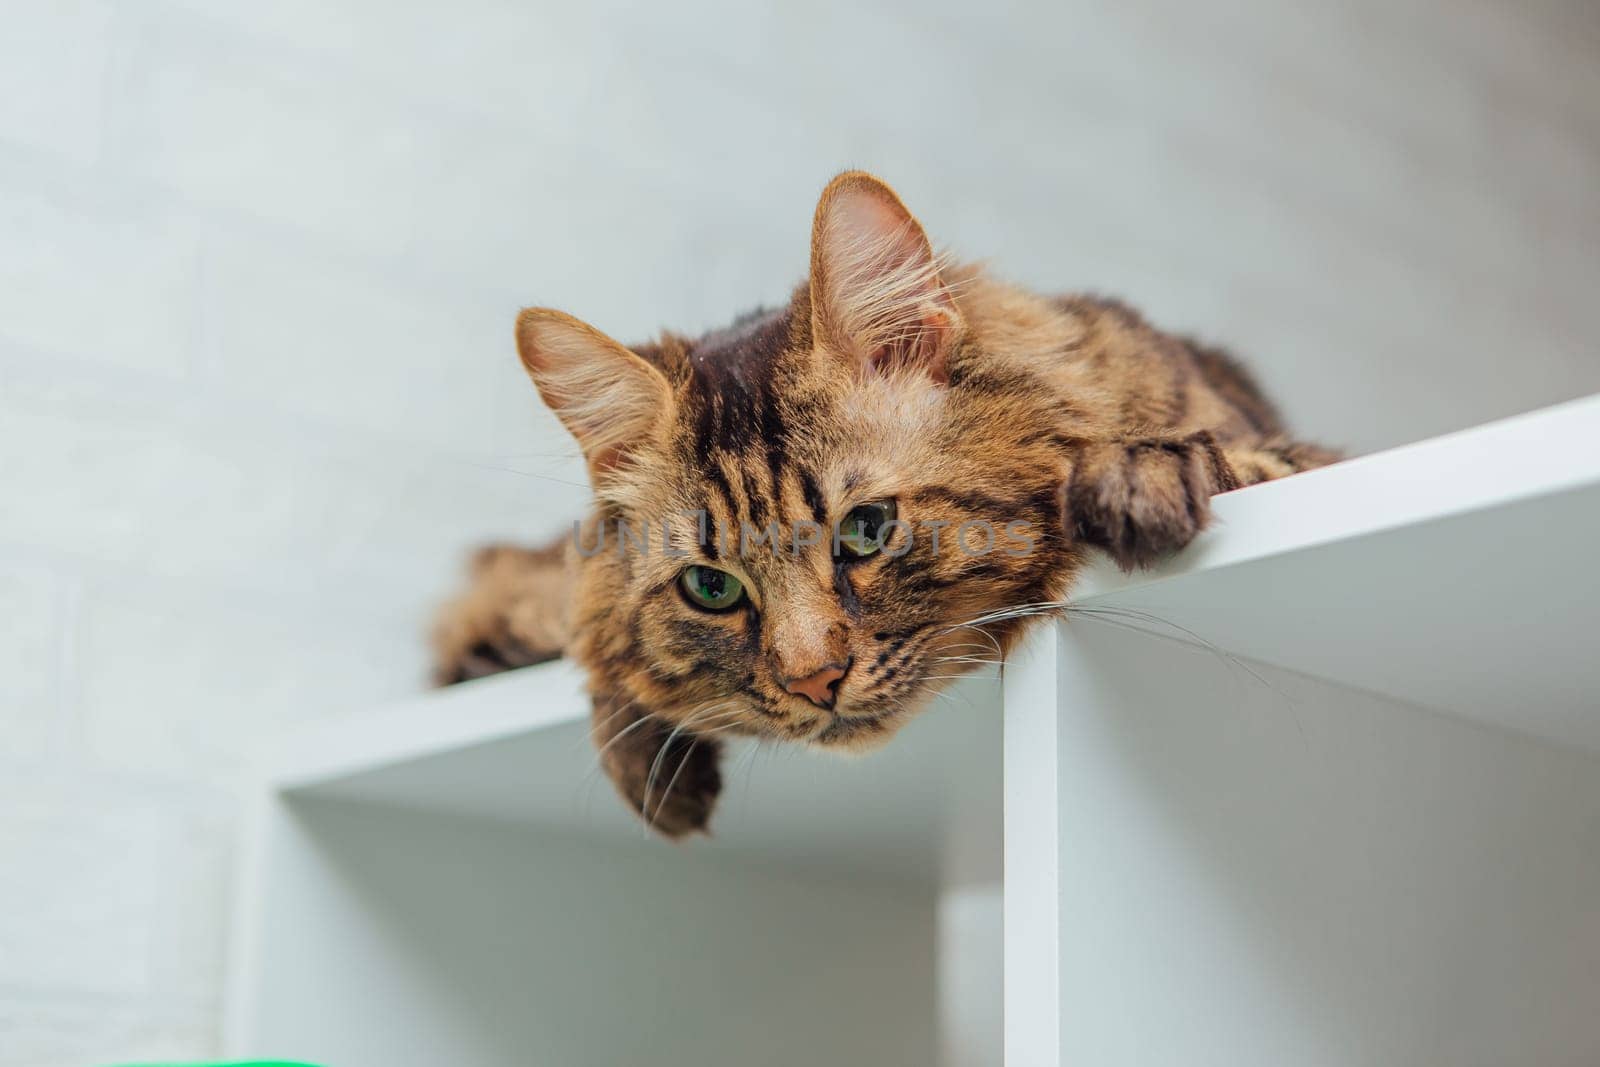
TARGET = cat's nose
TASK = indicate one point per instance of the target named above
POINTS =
(820, 687)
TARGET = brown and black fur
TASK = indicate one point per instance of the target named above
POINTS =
(887, 376)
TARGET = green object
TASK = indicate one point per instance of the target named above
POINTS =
(227, 1063)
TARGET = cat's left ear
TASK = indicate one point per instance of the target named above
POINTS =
(876, 292)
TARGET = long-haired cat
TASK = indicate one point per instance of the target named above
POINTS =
(805, 523)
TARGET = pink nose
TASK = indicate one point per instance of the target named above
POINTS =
(820, 687)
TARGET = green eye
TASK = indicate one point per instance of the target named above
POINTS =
(710, 588)
(862, 532)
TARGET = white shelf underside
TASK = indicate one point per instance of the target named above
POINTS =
(884, 816)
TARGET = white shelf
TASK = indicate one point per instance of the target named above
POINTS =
(1448, 573)
(1457, 574)
(1256, 853)
(515, 748)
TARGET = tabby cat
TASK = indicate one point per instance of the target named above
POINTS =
(764, 555)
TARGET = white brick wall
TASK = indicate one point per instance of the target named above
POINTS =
(258, 264)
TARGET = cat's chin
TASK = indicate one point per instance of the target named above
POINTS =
(859, 734)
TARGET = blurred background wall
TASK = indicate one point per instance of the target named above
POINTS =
(259, 263)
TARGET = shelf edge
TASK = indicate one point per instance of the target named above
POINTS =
(1457, 473)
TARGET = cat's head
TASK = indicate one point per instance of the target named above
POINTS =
(806, 523)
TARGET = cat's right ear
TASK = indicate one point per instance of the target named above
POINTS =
(876, 291)
(606, 396)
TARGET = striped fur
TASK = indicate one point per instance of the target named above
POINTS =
(890, 375)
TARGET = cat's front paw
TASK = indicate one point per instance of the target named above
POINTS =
(511, 615)
(472, 647)
(1143, 499)
(491, 650)
(671, 779)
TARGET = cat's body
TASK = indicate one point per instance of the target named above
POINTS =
(893, 395)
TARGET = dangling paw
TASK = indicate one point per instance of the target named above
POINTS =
(670, 777)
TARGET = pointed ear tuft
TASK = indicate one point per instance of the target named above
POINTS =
(876, 291)
(605, 395)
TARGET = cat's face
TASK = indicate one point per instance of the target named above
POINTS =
(806, 522)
